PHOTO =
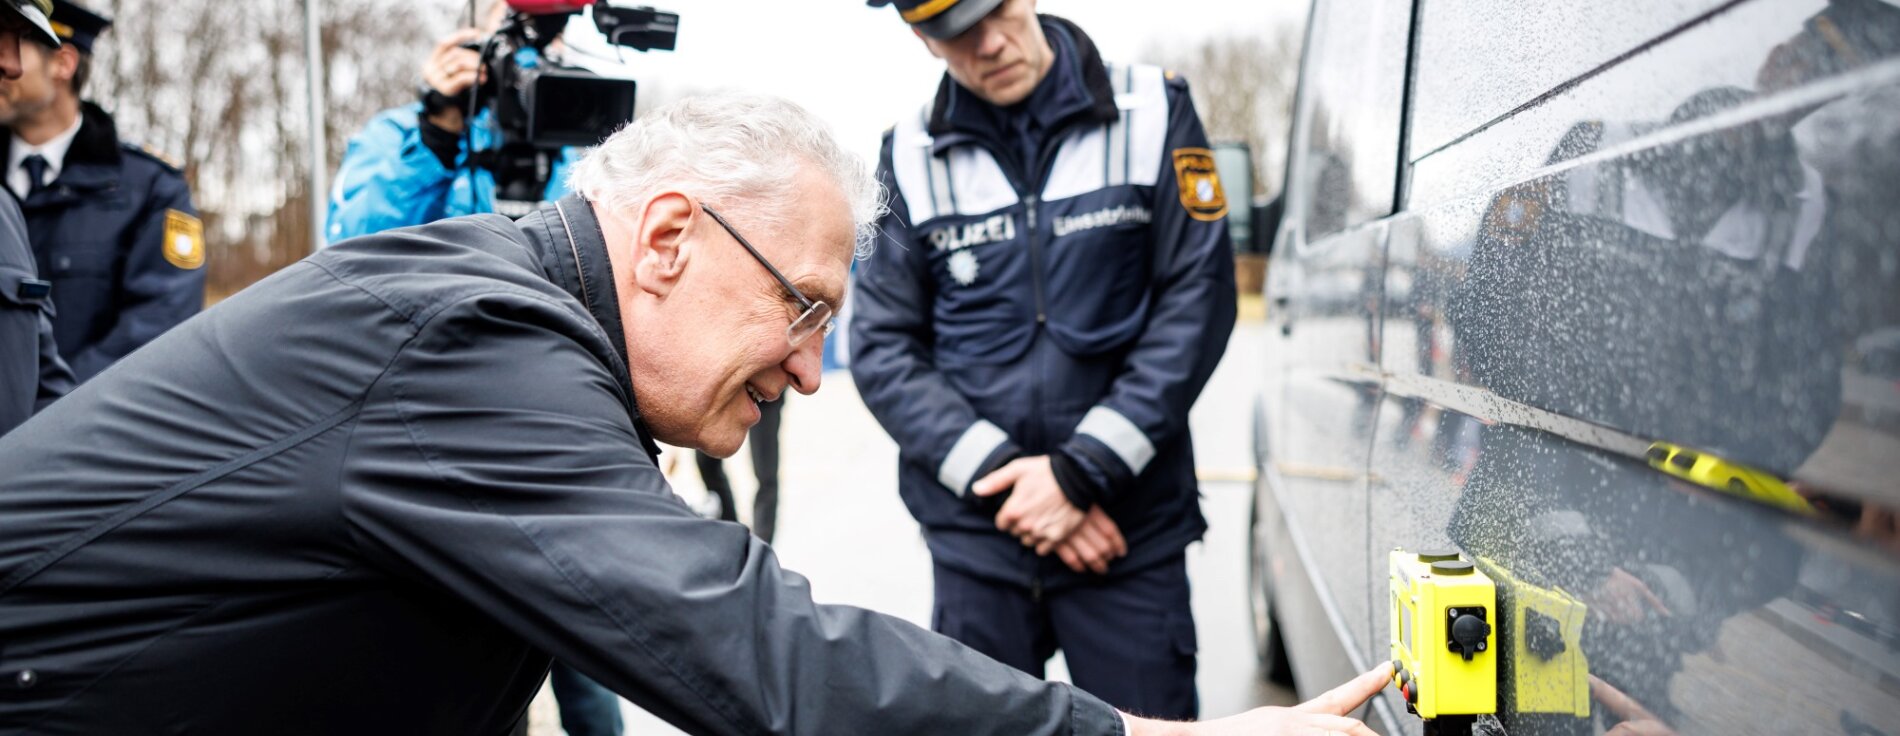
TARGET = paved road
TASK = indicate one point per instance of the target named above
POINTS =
(839, 502)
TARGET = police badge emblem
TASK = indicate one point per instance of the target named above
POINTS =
(184, 243)
(1199, 184)
(963, 267)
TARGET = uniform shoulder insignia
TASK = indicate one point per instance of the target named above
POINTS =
(184, 241)
(155, 155)
(1199, 184)
(1174, 79)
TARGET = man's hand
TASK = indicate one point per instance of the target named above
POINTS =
(1623, 598)
(1097, 542)
(451, 70)
(1637, 720)
(1036, 511)
(1320, 716)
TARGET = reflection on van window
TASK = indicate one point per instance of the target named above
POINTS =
(1355, 81)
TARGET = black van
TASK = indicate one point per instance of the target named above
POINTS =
(1604, 296)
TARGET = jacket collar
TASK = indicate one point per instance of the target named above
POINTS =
(98, 139)
(568, 242)
(1077, 87)
(92, 162)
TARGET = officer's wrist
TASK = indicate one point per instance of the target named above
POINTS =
(1075, 483)
(998, 458)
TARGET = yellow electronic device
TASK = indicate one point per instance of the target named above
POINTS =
(1444, 641)
(1544, 669)
(1717, 474)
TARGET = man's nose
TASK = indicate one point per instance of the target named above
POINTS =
(10, 55)
(806, 365)
(990, 39)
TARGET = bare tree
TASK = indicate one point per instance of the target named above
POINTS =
(1243, 89)
(219, 87)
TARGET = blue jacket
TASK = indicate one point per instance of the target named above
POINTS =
(389, 179)
(1073, 306)
(118, 237)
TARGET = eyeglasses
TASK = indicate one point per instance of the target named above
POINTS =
(817, 317)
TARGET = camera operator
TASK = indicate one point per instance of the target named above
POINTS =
(411, 164)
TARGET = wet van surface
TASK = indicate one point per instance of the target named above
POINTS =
(1604, 297)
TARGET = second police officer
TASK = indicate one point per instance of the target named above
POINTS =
(112, 225)
(1058, 288)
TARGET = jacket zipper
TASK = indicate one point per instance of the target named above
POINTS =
(1035, 257)
(1030, 191)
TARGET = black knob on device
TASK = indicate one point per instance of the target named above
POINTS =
(1543, 635)
(1468, 633)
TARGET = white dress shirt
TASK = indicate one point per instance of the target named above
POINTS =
(54, 151)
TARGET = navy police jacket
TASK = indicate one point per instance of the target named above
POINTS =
(118, 237)
(1075, 303)
(377, 491)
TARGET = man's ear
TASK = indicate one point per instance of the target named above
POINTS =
(659, 235)
(65, 63)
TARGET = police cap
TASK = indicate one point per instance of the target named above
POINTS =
(77, 25)
(940, 19)
(35, 12)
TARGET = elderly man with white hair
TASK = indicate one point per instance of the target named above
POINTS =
(377, 491)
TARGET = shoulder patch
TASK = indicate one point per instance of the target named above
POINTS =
(156, 155)
(1199, 184)
(184, 241)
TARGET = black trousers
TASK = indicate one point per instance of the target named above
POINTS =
(764, 442)
(1128, 640)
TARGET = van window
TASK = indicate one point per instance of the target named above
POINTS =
(1481, 59)
(1351, 95)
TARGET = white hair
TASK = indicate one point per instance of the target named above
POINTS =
(741, 154)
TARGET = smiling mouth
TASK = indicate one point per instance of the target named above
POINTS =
(757, 396)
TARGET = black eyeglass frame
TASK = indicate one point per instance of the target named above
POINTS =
(810, 306)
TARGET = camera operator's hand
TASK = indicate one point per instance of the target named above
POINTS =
(450, 70)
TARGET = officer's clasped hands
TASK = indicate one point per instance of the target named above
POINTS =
(1039, 514)
(1097, 542)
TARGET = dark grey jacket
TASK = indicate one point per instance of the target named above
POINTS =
(31, 372)
(375, 492)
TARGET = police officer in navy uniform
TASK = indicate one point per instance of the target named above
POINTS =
(31, 373)
(112, 225)
(1059, 290)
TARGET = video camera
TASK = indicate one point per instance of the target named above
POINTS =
(541, 106)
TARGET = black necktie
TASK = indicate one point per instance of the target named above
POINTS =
(35, 166)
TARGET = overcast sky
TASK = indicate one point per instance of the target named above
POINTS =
(860, 68)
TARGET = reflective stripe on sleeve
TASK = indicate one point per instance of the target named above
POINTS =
(967, 455)
(1121, 435)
